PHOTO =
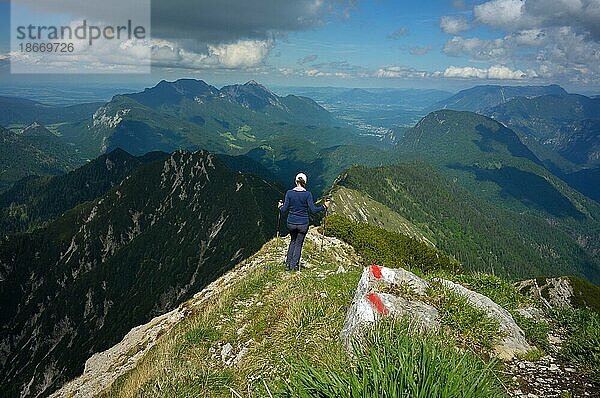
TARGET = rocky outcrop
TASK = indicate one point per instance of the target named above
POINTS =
(229, 355)
(371, 302)
(401, 294)
(103, 368)
(553, 292)
(548, 377)
(513, 340)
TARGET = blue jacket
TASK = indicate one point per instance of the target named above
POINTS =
(298, 203)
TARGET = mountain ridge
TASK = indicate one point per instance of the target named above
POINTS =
(191, 114)
(160, 232)
(566, 124)
(479, 98)
(34, 201)
(481, 235)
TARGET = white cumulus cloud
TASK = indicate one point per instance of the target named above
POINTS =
(513, 15)
(497, 72)
(315, 73)
(477, 48)
(244, 53)
(560, 39)
(499, 12)
(454, 25)
(287, 71)
(399, 71)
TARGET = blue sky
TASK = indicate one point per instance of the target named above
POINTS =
(363, 43)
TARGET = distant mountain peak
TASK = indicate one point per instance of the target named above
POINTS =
(193, 85)
(441, 114)
(449, 136)
(563, 127)
(194, 81)
(172, 93)
(252, 95)
(481, 98)
(190, 86)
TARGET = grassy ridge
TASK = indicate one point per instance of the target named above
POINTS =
(292, 321)
(288, 316)
(379, 246)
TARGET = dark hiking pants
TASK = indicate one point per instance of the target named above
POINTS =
(297, 235)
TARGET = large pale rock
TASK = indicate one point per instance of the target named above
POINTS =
(399, 277)
(553, 292)
(514, 341)
(398, 293)
(370, 303)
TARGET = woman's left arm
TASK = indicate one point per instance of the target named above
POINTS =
(311, 205)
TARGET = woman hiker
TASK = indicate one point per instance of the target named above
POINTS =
(298, 202)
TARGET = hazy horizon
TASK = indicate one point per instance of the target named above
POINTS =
(444, 44)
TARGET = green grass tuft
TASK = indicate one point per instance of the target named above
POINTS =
(393, 361)
(471, 326)
(532, 355)
(202, 335)
(535, 331)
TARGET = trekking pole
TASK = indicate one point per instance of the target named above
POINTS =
(278, 223)
(323, 235)
(278, 226)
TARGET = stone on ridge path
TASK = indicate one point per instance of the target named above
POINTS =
(370, 304)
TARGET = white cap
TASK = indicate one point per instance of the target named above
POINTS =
(301, 175)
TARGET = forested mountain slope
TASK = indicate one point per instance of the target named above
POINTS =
(78, 285)
(36, 200)
(481, 235)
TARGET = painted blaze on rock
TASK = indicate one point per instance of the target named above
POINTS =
(374, 299)
(370, 303)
